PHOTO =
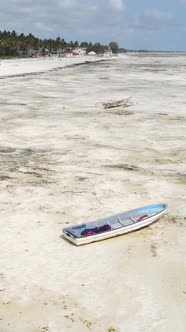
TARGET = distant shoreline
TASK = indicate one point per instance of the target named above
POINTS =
(25, 67)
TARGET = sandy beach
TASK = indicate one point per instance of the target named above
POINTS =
(65, 160)
(20, 67)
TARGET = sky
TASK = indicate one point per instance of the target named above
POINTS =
(133, 24)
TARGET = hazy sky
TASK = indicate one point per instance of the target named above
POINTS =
(137, 24)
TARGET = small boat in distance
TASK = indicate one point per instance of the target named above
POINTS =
(115, 225)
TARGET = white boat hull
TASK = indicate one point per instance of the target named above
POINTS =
(113, 232)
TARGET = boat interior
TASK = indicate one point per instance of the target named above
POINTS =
(117, 221)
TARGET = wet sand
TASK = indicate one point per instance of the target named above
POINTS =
(65, 160)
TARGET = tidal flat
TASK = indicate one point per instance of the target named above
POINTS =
(64, 160)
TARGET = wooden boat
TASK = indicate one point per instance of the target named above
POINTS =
(117, 224)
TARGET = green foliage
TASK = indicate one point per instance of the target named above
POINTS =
(13, 44)
(114, 46)
(97, 48)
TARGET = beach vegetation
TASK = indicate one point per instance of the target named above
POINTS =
(13, 44)
(87, 323)
(112, 329)
(97, 48)
(114, 46)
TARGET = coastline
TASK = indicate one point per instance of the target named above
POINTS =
(21, 67)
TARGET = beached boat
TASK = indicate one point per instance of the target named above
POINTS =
(115, 225)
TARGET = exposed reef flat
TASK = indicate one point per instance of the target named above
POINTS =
(64, 160)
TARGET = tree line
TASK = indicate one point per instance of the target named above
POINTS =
(14, 44)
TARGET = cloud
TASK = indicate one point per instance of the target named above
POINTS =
(43, 27)
(117, 5)
(87, 20)
(20, 2)
(68, 3)
(69, 19)
(152, 19)
(158, 15)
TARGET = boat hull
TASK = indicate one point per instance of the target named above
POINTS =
(123, 229)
